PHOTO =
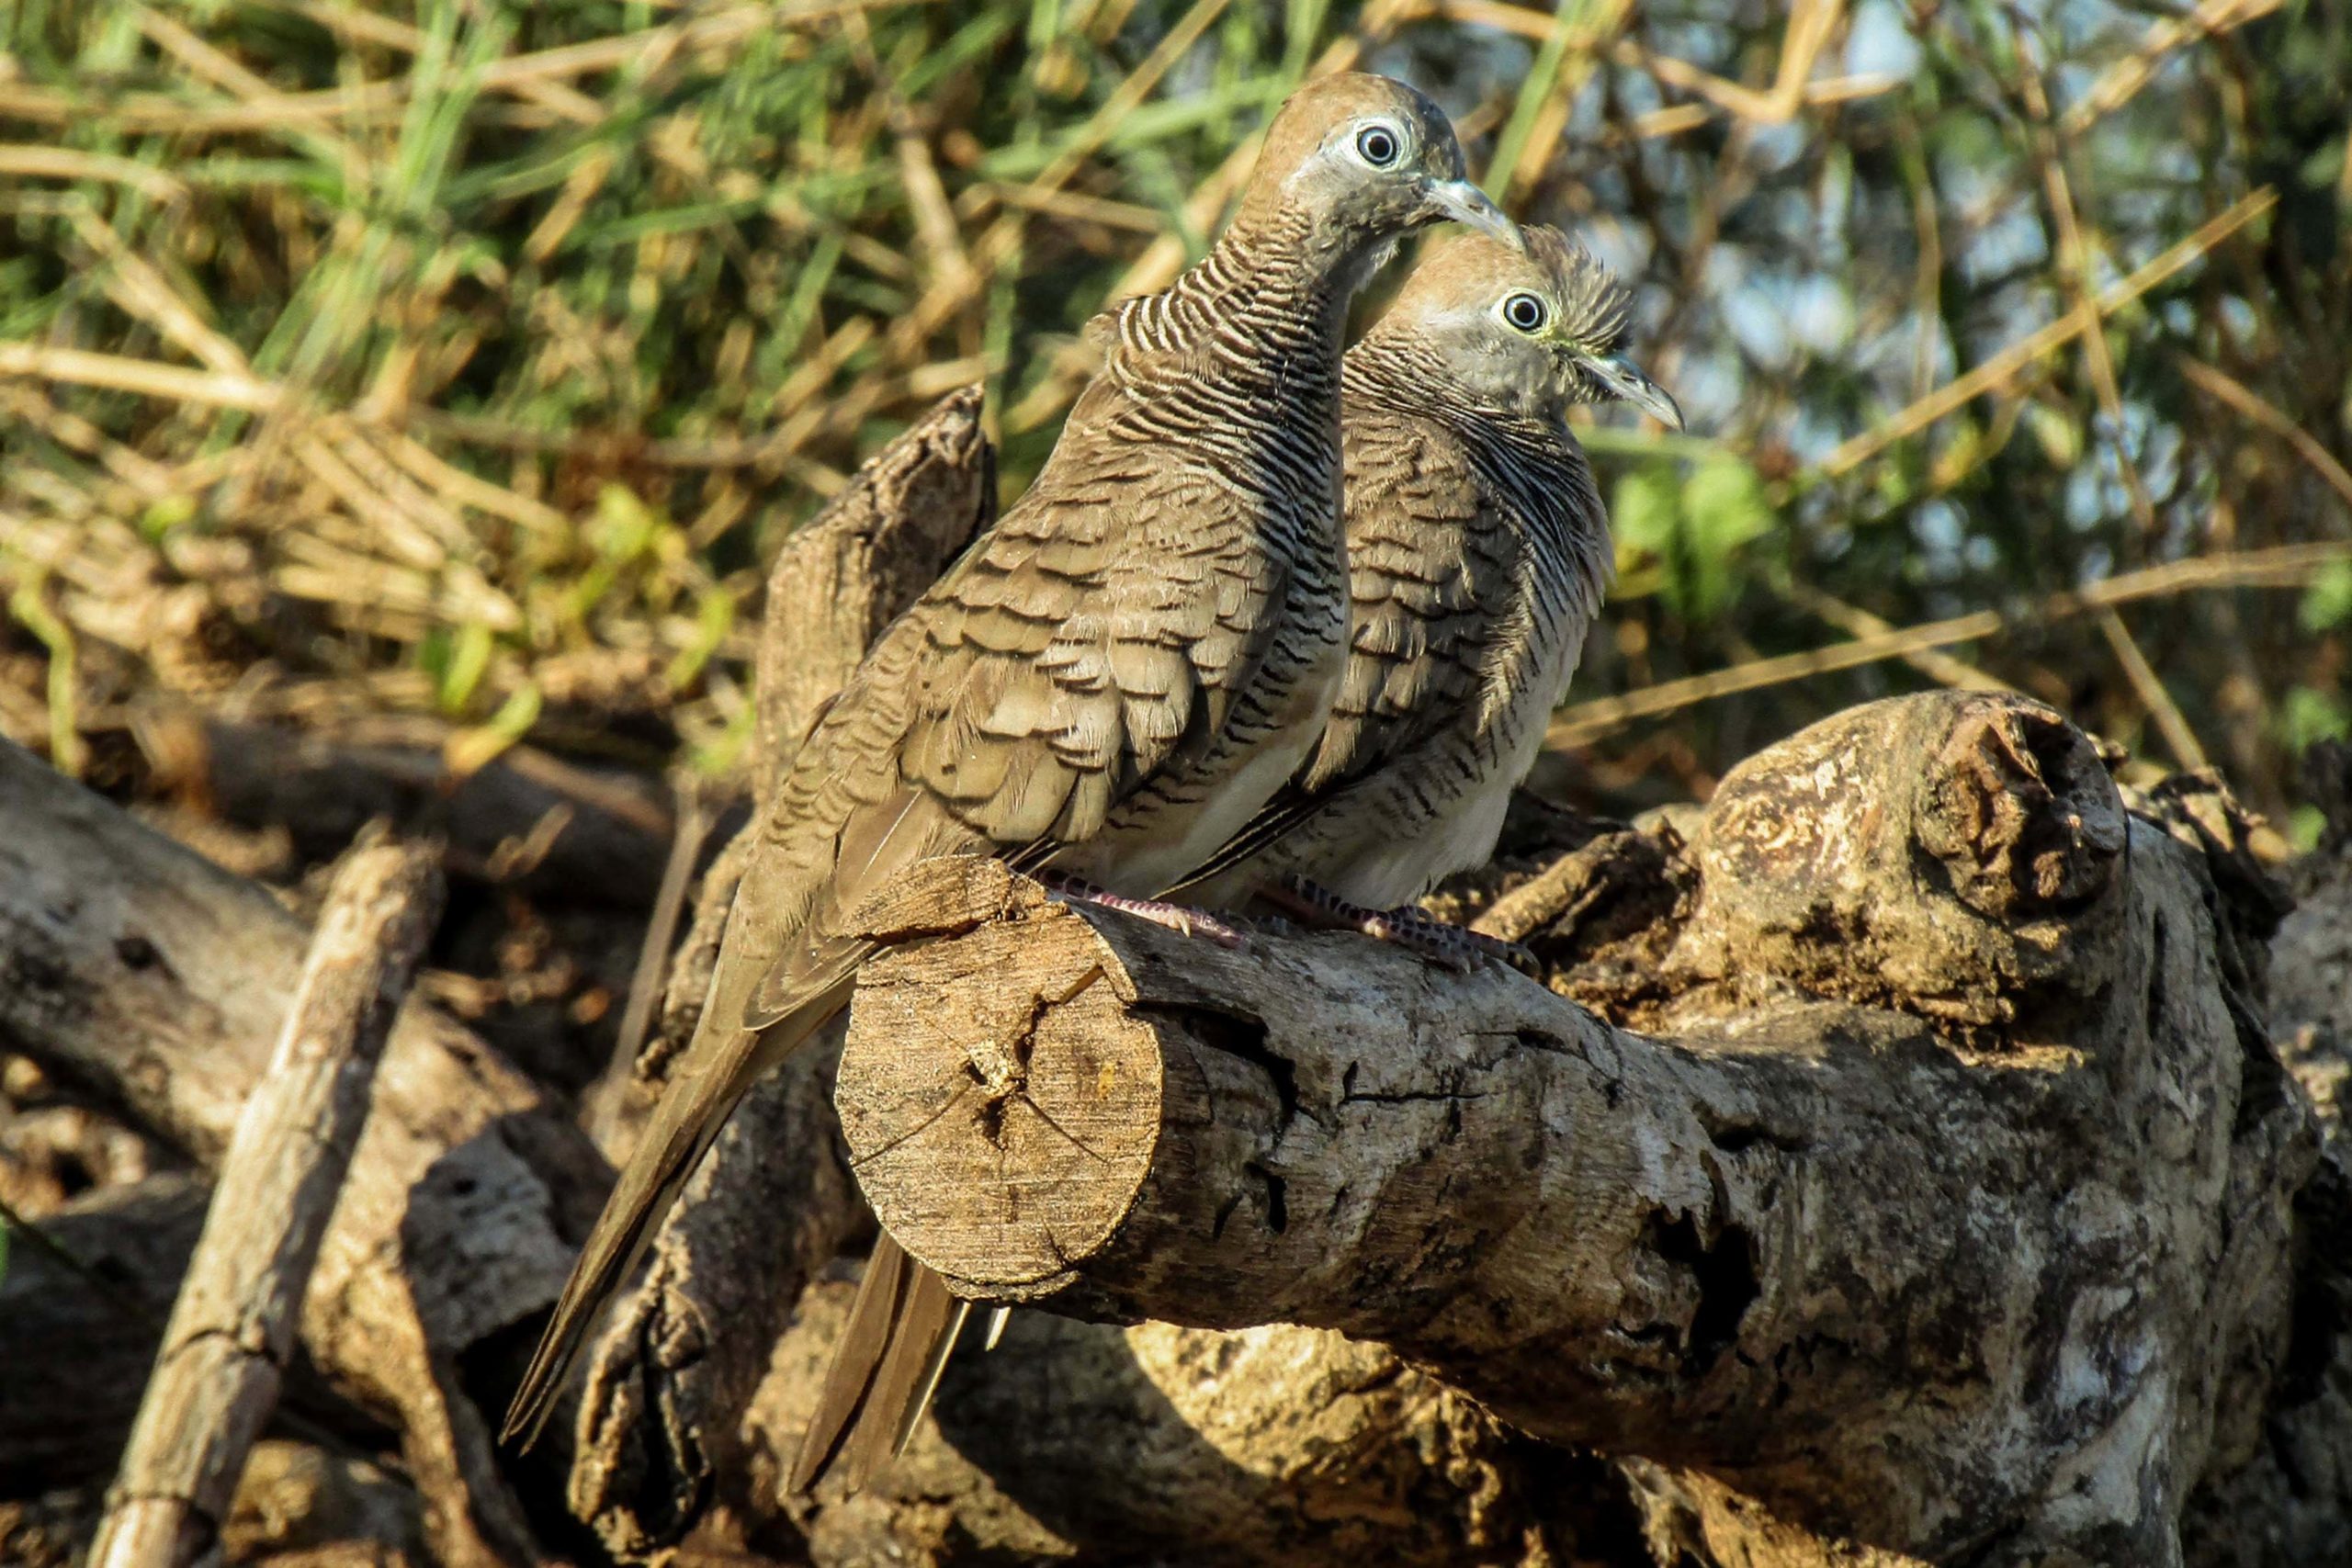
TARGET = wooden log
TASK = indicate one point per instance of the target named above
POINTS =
(231, 1330)
(155, 982)
(681, 1353)
(81, 1340)
(557, 828)
(1274, 1445)
(856, 566)
(1928, 1221)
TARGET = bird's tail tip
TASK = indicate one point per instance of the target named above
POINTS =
(528, 1412)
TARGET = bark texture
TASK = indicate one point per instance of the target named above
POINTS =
(1951, 1183)
(231, 1331)
(157, 982)
(2292, 1504)
(1157, 1443)
(681, 1353)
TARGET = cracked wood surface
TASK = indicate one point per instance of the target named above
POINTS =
(1949, 1186)
(1285, 1445)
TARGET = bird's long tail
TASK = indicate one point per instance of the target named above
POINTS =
(710, 1077)
(885, 1366)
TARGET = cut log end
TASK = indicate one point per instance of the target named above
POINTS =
(2019, 807)
(971, 1124)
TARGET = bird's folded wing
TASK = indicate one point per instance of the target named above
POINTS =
(1081, 645)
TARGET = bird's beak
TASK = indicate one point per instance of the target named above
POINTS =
(1465, 203)
(1625, 379)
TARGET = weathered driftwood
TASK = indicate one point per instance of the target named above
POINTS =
(231, 1330)
(1275, 1444)
(2293, 1503)
(1955, 1193)
(909, 510)
(157, 981)
(681, 1353)
(1283, 1444)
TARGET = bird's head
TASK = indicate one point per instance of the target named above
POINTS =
(1364, 159)
(1534, 326)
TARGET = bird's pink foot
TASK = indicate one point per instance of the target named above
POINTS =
(1407, 926)
(1177, 917)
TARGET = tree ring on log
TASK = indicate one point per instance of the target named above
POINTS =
(1048, 1058)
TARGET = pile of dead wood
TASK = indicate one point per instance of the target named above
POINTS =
(1901, 1165)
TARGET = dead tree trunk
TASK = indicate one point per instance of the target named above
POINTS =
(681, 1353)
(1949, 1191)
(1907, 1236)
(150, 971)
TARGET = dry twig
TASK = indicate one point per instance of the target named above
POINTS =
(232, 1333)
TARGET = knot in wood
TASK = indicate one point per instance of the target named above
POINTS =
(998, 1068)
(2020, 811)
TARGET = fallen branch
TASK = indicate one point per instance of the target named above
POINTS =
(842, 578)
(557, 828)
(230, 1336)
(1275, 1445)
(1961, 1184)
(155, 982)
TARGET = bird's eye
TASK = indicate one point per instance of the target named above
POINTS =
(1378, 145)
(1526, 312)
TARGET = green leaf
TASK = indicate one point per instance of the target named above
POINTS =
(162, 516)
(714, 618)
(625, 526)
(1647, 512)
(2327, 603)
(2057, 432)
(2306, 829)
(1724, 501)
(1723, 508)
(470, 750)
(462, 669)
(2310, 716)
(717, 756)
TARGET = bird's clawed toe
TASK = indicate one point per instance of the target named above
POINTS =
(1179, 918)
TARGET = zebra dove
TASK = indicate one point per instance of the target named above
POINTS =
(1478, 553)
(1478, 549)
(1114, 677)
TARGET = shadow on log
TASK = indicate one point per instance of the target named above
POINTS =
(1951, 1184)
